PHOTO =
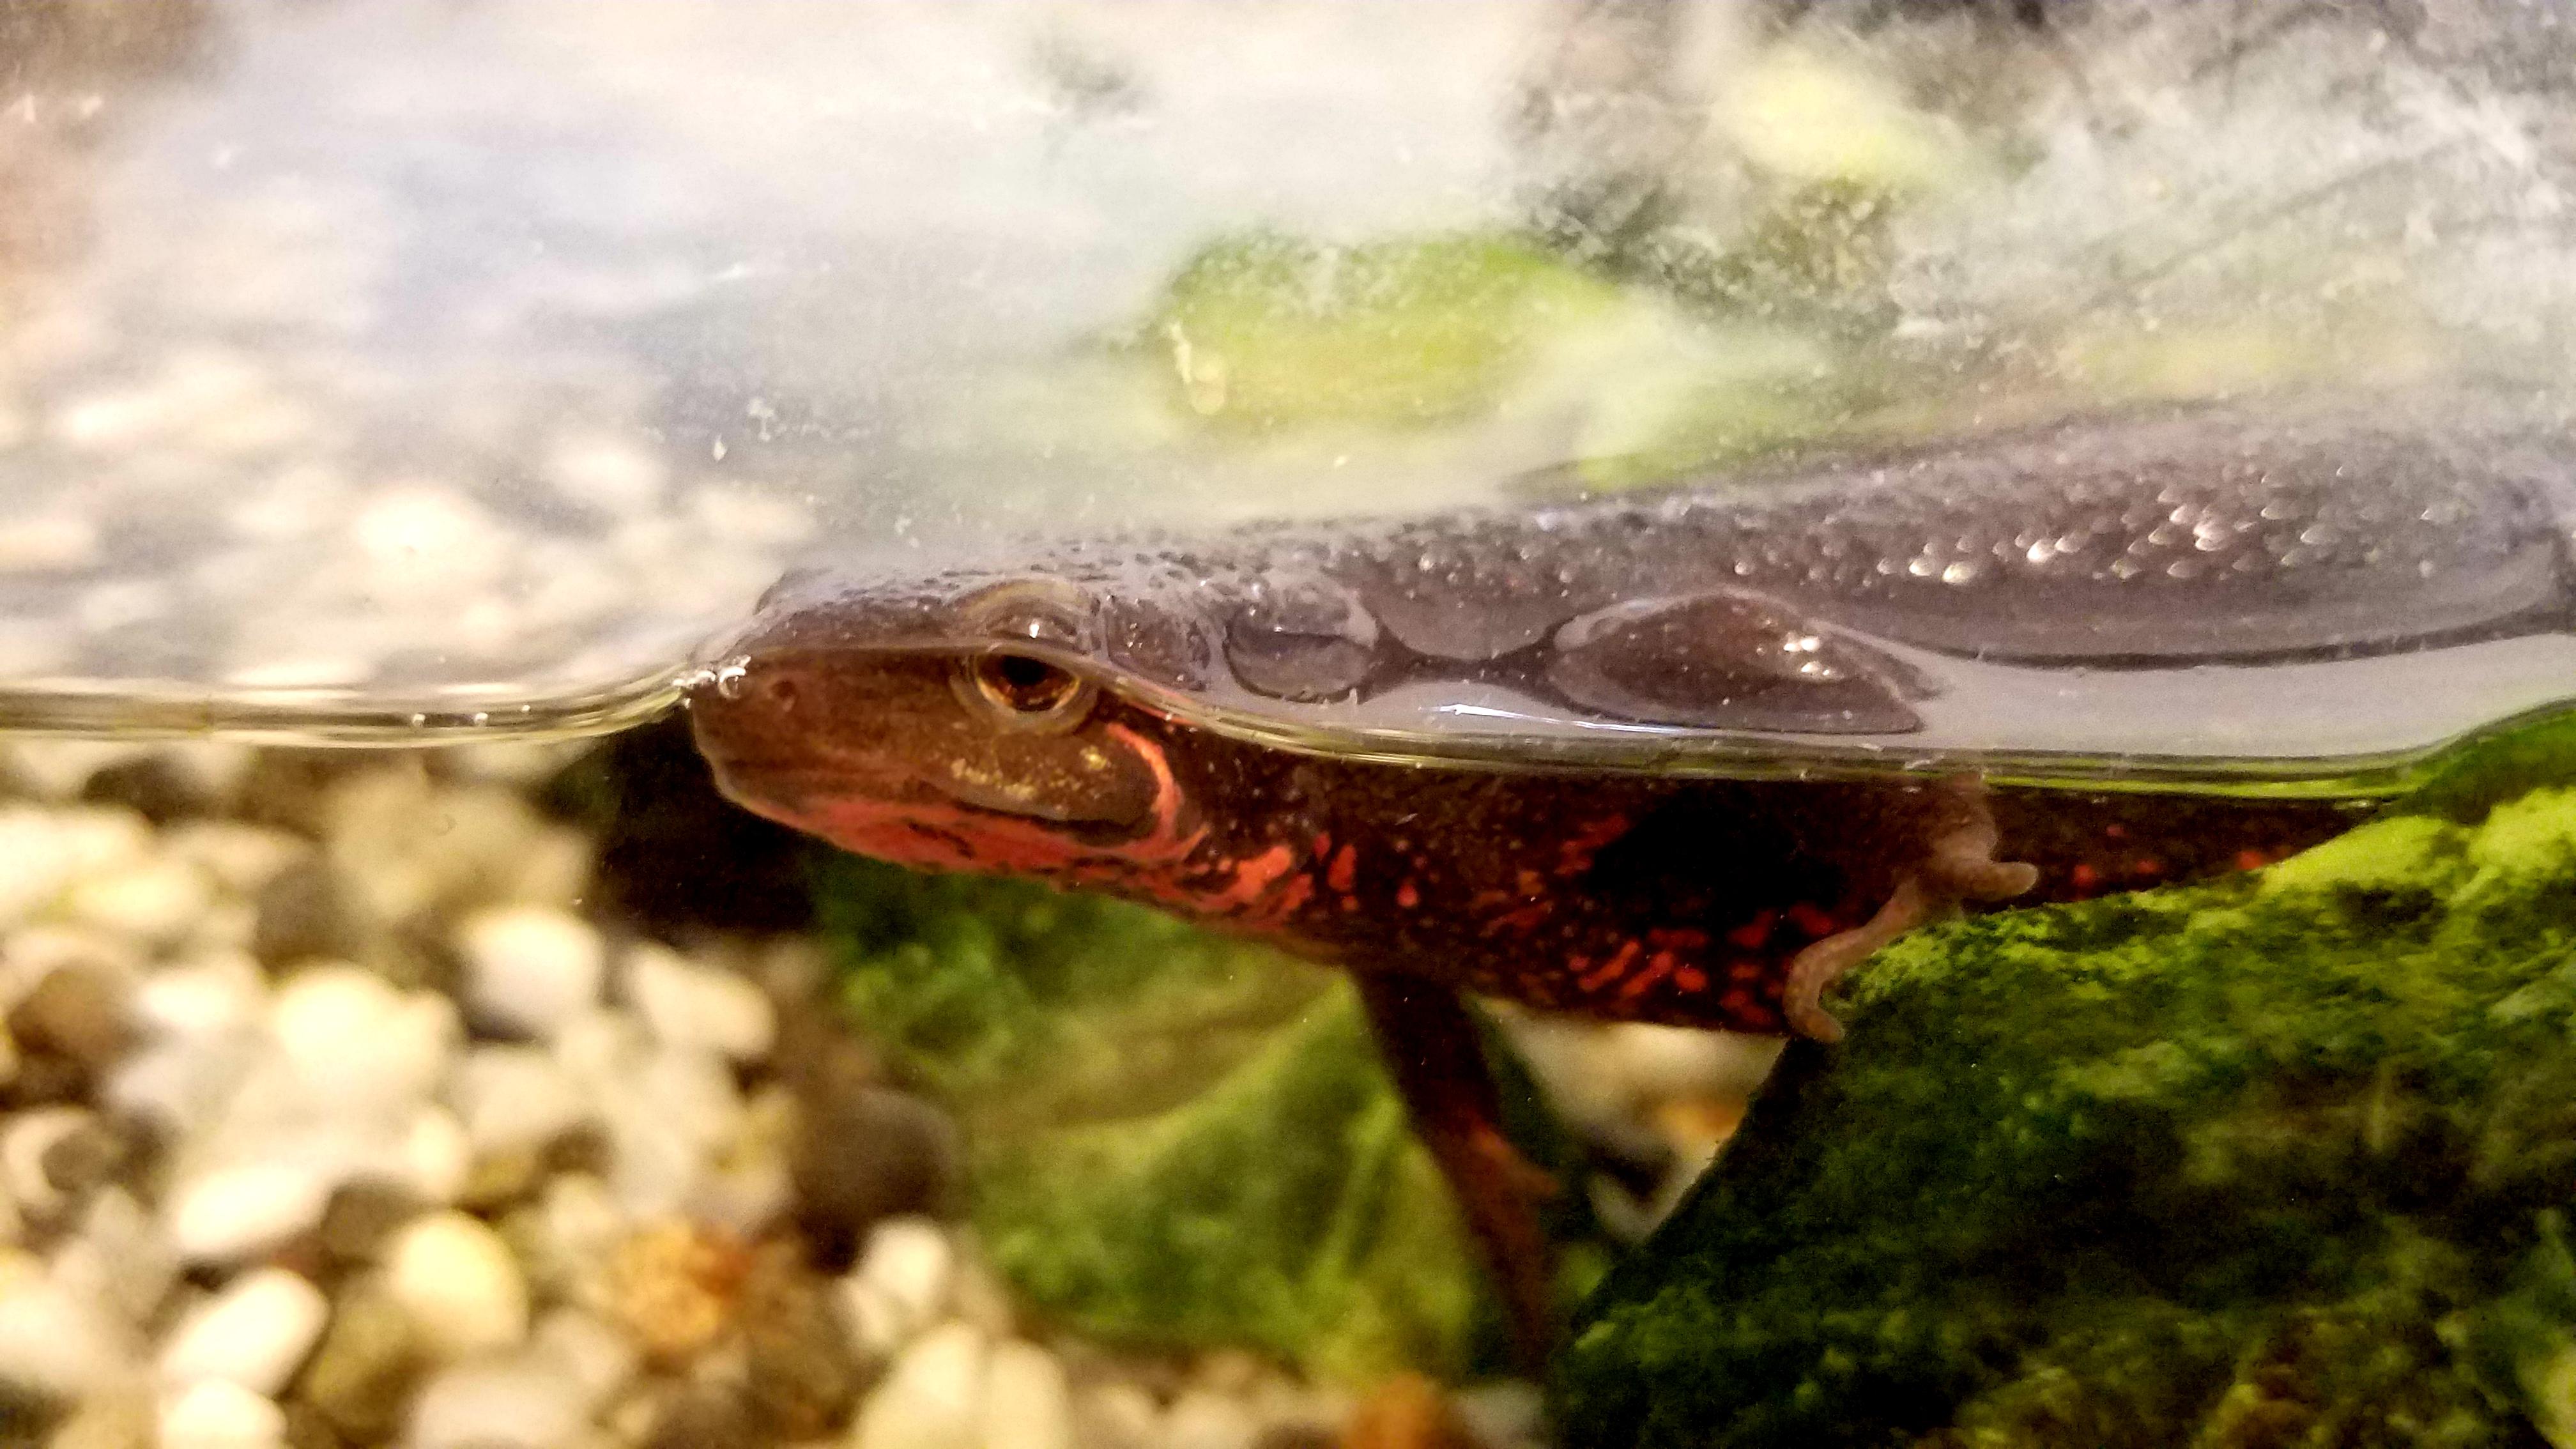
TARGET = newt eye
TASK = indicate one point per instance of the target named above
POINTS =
(1023, 692)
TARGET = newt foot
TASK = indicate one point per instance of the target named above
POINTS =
(1958, 866)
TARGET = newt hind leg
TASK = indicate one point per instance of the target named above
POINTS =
(1433, 1050)
(1958, 865)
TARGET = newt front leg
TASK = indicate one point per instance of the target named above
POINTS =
(1958, 866)
(1433, 1050)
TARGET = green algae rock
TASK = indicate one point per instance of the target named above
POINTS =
(2279, 1161)
(1268, 331)
(1176, 1140)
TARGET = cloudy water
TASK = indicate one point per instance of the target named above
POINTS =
(396, 368)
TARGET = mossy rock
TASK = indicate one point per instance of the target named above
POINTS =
(2280, 1161)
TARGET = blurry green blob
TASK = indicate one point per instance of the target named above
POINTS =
(1799, 112)
(1178, 1141)
(2280, 1161)
(1818, 253)
(1268, 331)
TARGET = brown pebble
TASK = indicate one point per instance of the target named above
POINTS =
(361, 1378)
(705, 1416)
(150, 785)
(362, 1214)
(300, 916)
(862, 1153)
(86, 1157)
(1408, 1411)
(107, 1421)
(501, 1180)
(44, 1079)
(28, 1414)
(673, 1284)
(803, 1374)
(76, 1012)
(288, 788)
(307, 1429)
(585, 1148)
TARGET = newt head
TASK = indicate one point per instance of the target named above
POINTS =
(955, 739)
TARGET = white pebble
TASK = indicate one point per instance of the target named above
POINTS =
(600, 1049)
(1026, 1403)
(47, 541)
(1120, 1415)
(154, 901)
(436, 1159)
(98, 839)
(593, 1355)
(605, 471)
(34, 867)
(573, 1236)
(531, 969)
(665, 1121)
(933, 1396)
(745, 514)
(218, 995)
(746, 1189)
(255, 1333)
(512, 1097)
(1502, 1412)
(360, 1045)
(424, 543)
(118, 1257)
(521, 764)
(59, 1340)
(689, 1005)
(1205, 1419)
(460, 1285)
(183, 1084)
(529, 1405)
(242, 858)
(234, 1212)
(877, 1324)
(215, 1414)
(904, 1278)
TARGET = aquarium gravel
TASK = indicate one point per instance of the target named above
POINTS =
(336, 1108)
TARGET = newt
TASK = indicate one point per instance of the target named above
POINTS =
(1681, 757)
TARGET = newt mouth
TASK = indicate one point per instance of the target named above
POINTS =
(769, 784)
(804, 793)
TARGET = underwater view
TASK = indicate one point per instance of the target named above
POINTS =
(1158, 724)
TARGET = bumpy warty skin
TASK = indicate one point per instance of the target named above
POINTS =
(1830, 594)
